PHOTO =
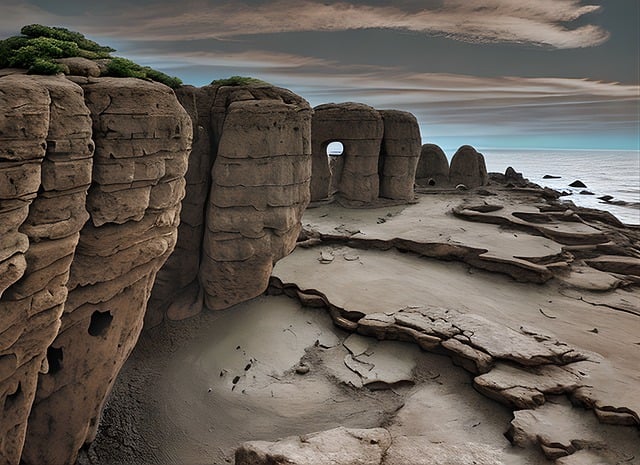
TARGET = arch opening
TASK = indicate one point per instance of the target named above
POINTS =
(335, 149)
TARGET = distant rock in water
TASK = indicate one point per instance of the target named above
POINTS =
(577, 183)
(433, 167)
(606, 198)
(586, 193)
(550, 176)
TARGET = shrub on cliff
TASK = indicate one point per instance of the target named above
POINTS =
(238, 81)
(38, 48)
(121, 67)
(60, 33)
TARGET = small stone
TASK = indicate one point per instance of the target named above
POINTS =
(302, 369)
(577, 183)
(326, 257)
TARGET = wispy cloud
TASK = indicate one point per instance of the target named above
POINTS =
(444, 103)
(540, 22)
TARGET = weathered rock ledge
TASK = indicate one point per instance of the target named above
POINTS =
(519, 341)
(92, 175)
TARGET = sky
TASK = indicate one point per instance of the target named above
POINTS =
(491, 73)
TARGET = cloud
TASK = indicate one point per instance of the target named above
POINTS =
(253, 59)
(540, 22)
(449, 104)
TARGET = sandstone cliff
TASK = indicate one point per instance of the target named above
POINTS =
(74, 292)
(247, 186)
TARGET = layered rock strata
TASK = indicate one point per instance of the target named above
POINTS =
(76, 291)
(247, 186)
(45, 171)
(380, 153)
(400, 153)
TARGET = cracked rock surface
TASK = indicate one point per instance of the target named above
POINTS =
(434, 354)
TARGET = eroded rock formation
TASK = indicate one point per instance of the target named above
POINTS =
(45, 161)
(433, 167)
(381, 150)
(360, 129)
(400, 152)
(468, 168)
(75, 292)
(247, 186)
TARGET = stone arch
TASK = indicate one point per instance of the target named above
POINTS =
(336, 165)
(360, 129)
(335, 149)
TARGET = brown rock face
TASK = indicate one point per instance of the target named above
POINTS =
(74, 292)
(468, 168)
(142, 138)
(380, 153)
(45, 170)
(247, 186)
(400, 153)
(433, 167)
(360, 129)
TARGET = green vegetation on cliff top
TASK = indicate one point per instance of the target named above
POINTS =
(38, 48)
(238, 81)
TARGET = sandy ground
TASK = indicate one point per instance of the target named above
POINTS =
(176, 402)
(194, 390)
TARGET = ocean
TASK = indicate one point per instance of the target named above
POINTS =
(604, 172)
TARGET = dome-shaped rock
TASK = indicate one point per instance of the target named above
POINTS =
(468, 168)
(433, 167)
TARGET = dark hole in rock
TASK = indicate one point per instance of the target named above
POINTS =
(432, 182)
(54, 358)
(12, 400)
(100, 322)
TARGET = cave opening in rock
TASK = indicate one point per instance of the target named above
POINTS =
(335, 149)
(100, 322)
(54, 359)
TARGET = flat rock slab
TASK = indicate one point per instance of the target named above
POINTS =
(417, 451)
(381, 363)
(479, 333)
(430, 224)
(616, 264)
(340, 446)
(559, 429)
(590, 279)
(520, 388)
